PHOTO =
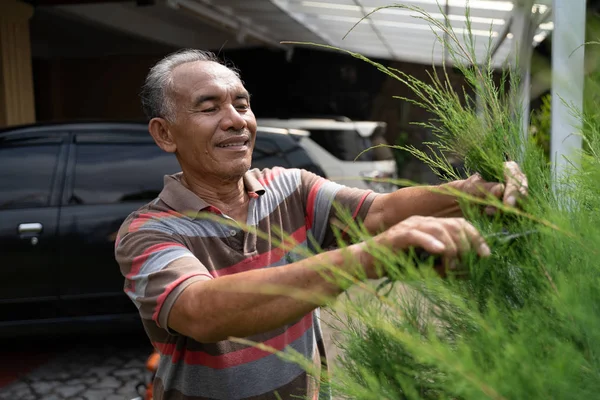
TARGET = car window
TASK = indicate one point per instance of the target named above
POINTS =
(107, 173)
(298, 158)
(380, 153)
(273, 150)
(267, 154)
(346, 145)
(26, 175)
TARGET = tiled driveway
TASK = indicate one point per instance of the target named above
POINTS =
(82, 368)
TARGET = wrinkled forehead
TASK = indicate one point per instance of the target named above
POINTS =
(187, 80)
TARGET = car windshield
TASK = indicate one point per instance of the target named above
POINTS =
(347, 144)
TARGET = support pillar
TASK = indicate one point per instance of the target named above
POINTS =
(567, 84)
(523, 30)
(17, 104)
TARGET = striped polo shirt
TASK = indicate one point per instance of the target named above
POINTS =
(171, 227)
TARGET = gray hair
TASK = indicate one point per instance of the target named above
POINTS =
(156, 101)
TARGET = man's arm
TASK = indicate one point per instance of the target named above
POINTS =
(239, 305)
(236, 305)
(391, 208)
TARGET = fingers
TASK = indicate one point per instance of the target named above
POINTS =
(479, 187)
(495, 189)
(425, 241)
(460, 238)
(517, 186)
(456, 236)
(515, 189)
(478, 243)
(449, 238)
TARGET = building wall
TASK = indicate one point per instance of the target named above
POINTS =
(104, 88)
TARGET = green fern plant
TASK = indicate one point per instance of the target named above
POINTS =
(540, 125)
(525, 323)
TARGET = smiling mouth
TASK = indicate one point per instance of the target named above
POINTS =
(237, 144)
(241, 143)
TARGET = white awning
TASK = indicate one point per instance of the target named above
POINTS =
(395, 33)
(391, 34)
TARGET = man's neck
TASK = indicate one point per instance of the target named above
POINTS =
(229, 197)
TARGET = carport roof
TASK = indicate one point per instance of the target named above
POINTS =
(392, 33)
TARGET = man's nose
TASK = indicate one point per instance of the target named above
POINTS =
(232, 119)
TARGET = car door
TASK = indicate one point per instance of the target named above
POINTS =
(112, 173)
(31, 173)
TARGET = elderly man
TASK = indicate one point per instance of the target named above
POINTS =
(198, 281)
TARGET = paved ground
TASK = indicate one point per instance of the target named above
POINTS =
(87, 367)
(79, 368)
(75, 369)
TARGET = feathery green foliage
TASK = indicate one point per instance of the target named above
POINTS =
(525, 323)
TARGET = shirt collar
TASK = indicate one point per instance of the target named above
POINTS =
(186, 202)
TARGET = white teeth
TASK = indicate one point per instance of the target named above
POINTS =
(233, 144)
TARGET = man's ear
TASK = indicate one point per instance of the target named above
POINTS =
(159, 129)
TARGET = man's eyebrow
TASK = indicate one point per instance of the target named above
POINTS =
(243, 95)
(204, 98)
(212, 97)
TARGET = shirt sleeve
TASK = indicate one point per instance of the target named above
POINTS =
(320, 195)
(153, 280)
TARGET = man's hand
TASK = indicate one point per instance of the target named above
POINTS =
(450, 238)
(515, 189)
(391, 208)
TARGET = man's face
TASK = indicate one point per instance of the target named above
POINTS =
(213, 128)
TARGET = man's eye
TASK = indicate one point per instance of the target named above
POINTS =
(209, 109)
(243, 106)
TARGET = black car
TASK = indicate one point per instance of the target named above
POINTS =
(64, 191)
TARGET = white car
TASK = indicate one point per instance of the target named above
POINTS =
(335, 144)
